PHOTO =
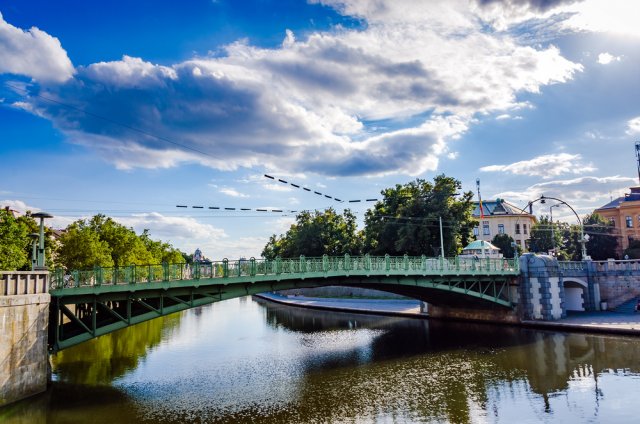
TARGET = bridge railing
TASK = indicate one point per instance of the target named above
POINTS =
(303, 266)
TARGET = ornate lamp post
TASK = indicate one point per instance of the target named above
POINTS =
(34, 255)
(553, 240)
(40, 257)
(583, 238)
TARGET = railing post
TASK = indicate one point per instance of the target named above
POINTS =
(196, 271)
(405, 262)
(457, 262)
(303, 264)
(225, 268)
(252, 270)
(347, 262)
(325, 263)
(165, 271)
(278, 265)
(387, 262)
(132, 274)
(97, 274)
(239, 268)
(367, 262)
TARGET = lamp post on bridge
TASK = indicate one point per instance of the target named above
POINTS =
(583, 238)
(40, 256)
(553, 240)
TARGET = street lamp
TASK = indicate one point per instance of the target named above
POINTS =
(40, 262)
(553, 240)
(583, 238)
(34, 241)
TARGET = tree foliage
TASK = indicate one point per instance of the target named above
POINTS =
(545, 236)
(504, 242)
(14, 243)
(315, 234)
(406, 220)
(633, 251)
(100, 241)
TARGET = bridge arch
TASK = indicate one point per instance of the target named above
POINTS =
(575, 294)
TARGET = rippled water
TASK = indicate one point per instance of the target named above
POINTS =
(245, 360)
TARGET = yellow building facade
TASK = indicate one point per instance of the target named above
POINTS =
(624, 214)
(501, 217)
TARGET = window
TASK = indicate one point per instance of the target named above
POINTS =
(524, 228)
(517, 228)
(629, 222)
(476, 231)
(485, 228)
(500, 228)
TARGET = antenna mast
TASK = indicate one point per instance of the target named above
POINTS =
(638, 158)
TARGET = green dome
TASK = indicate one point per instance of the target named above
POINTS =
(479, 245)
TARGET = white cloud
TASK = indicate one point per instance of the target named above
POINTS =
(301, 107)
(33, 53)
(232, 192)
(613, 16)
(546, 166)
(584, 194)
(606, 58)
(633, 126)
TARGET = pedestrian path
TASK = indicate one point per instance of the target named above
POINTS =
(398, 307)
(596, 322)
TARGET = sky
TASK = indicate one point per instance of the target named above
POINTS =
(130, 109)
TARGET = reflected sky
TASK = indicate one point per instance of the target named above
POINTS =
(248, 360)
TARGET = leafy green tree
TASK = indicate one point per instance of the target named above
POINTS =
(126, 247)
(545, 236)
(160, 251)
(602, 242)
(504, 243)
(14, 243)
(316, 234)
(82, 248)
(406, 220)
(633, 251)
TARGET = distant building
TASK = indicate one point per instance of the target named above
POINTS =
(624, 214)
(481, 249)
(501, 217)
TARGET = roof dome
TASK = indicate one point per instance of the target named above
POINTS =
(479, 245)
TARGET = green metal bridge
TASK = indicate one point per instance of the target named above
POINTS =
(89, 303)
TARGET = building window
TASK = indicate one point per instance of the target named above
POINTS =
(500, 228)
(517, 228)
(629, 222)
(476, 231)
(524, 228)
(485, 228)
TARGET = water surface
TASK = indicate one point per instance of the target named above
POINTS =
(245, 360)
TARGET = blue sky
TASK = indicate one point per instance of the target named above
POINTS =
(132, 108)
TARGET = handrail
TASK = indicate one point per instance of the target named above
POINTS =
(303, 266)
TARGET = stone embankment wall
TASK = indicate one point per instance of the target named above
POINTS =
(619, 281)
(24, 318)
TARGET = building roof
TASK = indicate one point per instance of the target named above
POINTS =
(497, 207)
(479, 245)
(633, 196)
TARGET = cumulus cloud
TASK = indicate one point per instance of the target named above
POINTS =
(33, 53)
(232, 192)
(584, 193)
(545, 166)
(606, 58)
(633, 126)
(302, 107)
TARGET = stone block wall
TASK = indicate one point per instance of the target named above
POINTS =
(24, 318)
(541, 294)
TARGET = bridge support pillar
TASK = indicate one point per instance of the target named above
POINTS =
(24, 317)
(541, 294)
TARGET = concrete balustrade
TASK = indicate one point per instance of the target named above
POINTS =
(24, 319)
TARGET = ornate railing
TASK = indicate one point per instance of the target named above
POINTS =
(302, 267)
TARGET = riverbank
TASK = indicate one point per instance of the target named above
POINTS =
(588, 322)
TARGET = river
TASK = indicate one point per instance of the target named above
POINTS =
(245, 360)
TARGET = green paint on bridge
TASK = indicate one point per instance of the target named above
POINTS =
(89, 303)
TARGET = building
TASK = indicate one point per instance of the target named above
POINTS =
(481, 249)
(501, 217)
(624, 214)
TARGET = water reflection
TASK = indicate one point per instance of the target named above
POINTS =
(241, 361)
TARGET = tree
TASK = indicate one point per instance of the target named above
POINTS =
(315, 234)
(633, 251)
(14, 243)
(602, 241)
(407, 219)
(541, 239)
(504, 243)
(81, 248)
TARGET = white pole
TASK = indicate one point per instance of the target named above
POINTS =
(441, 240)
